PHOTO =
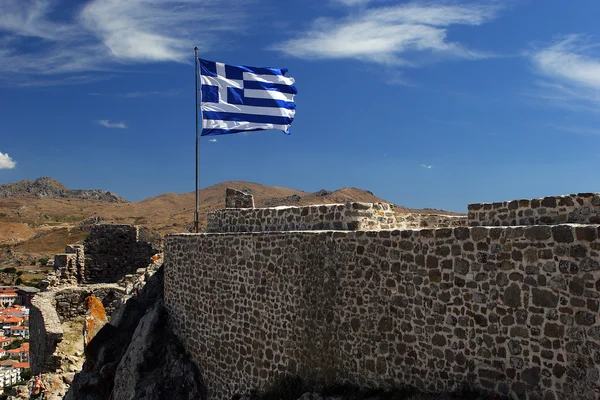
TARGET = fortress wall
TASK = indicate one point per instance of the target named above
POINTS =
(508, 309)
(349, 216)
(113, 251)
(582, 208)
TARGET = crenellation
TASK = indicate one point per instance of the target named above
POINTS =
(583, 208)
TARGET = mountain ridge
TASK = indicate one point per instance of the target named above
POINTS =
(47, 187)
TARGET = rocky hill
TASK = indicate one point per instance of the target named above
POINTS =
(50, 188)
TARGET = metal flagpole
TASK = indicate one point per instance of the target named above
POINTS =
(196, 216)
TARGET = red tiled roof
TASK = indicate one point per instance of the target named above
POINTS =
(17, 328)
(21, 365)
(13, 319)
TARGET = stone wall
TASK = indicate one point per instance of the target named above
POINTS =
(349, 216)
(510, 309)
(51, 309)
(45, 333)
(113, 251)
(70, 265)
(418, 221)
(70, 302)
(582, 208)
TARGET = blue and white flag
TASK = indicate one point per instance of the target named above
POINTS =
(241, 99)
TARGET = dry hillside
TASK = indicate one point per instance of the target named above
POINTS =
(43, 225)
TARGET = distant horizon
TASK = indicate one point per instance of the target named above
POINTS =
(297, 189)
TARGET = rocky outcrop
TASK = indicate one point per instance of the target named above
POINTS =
(95, 319)
(153, 344)
(136, 355)
(50, 188)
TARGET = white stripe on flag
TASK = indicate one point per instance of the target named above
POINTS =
(218, 124)
(268, 94)
(221, 81)
(234, 108)
(249, 76)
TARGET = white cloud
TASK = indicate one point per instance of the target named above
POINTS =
(213, 140)
(103, 35)
(391, 34)
(107, 124)
(6, 162)
(570, 70)
(426, 166)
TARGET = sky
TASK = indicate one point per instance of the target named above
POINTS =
(425, 103)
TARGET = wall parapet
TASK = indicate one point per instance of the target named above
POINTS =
(349, 216)
(582, 208)
(507, 309)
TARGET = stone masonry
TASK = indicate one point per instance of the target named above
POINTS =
(582, 208)
(347, 216)
(512, 310)
(113, 251)
(238, 199)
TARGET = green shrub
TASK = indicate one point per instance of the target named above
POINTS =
(44, 261)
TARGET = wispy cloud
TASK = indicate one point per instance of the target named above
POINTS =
(403, 34)
(426, 166)
(107, 35)
(570, 72)
(213, 140)
(107, 124)
(6, 162)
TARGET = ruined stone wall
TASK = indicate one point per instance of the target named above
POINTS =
(70, 302)
(511, 309)
(349, 216)
(45, 333)
(51, 309)
(582, 208)
(70, 265)
(113, 251)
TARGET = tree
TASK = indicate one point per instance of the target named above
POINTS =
(43, 261)
(16, 344)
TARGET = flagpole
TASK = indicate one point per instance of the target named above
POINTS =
(196, 216)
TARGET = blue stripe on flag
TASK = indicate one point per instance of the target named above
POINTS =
(214, 132)
(237, 71)
(236, 96)
(266, 119)
(270, 86)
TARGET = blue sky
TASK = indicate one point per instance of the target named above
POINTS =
(427, 104)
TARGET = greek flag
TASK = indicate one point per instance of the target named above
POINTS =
(241, 99)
